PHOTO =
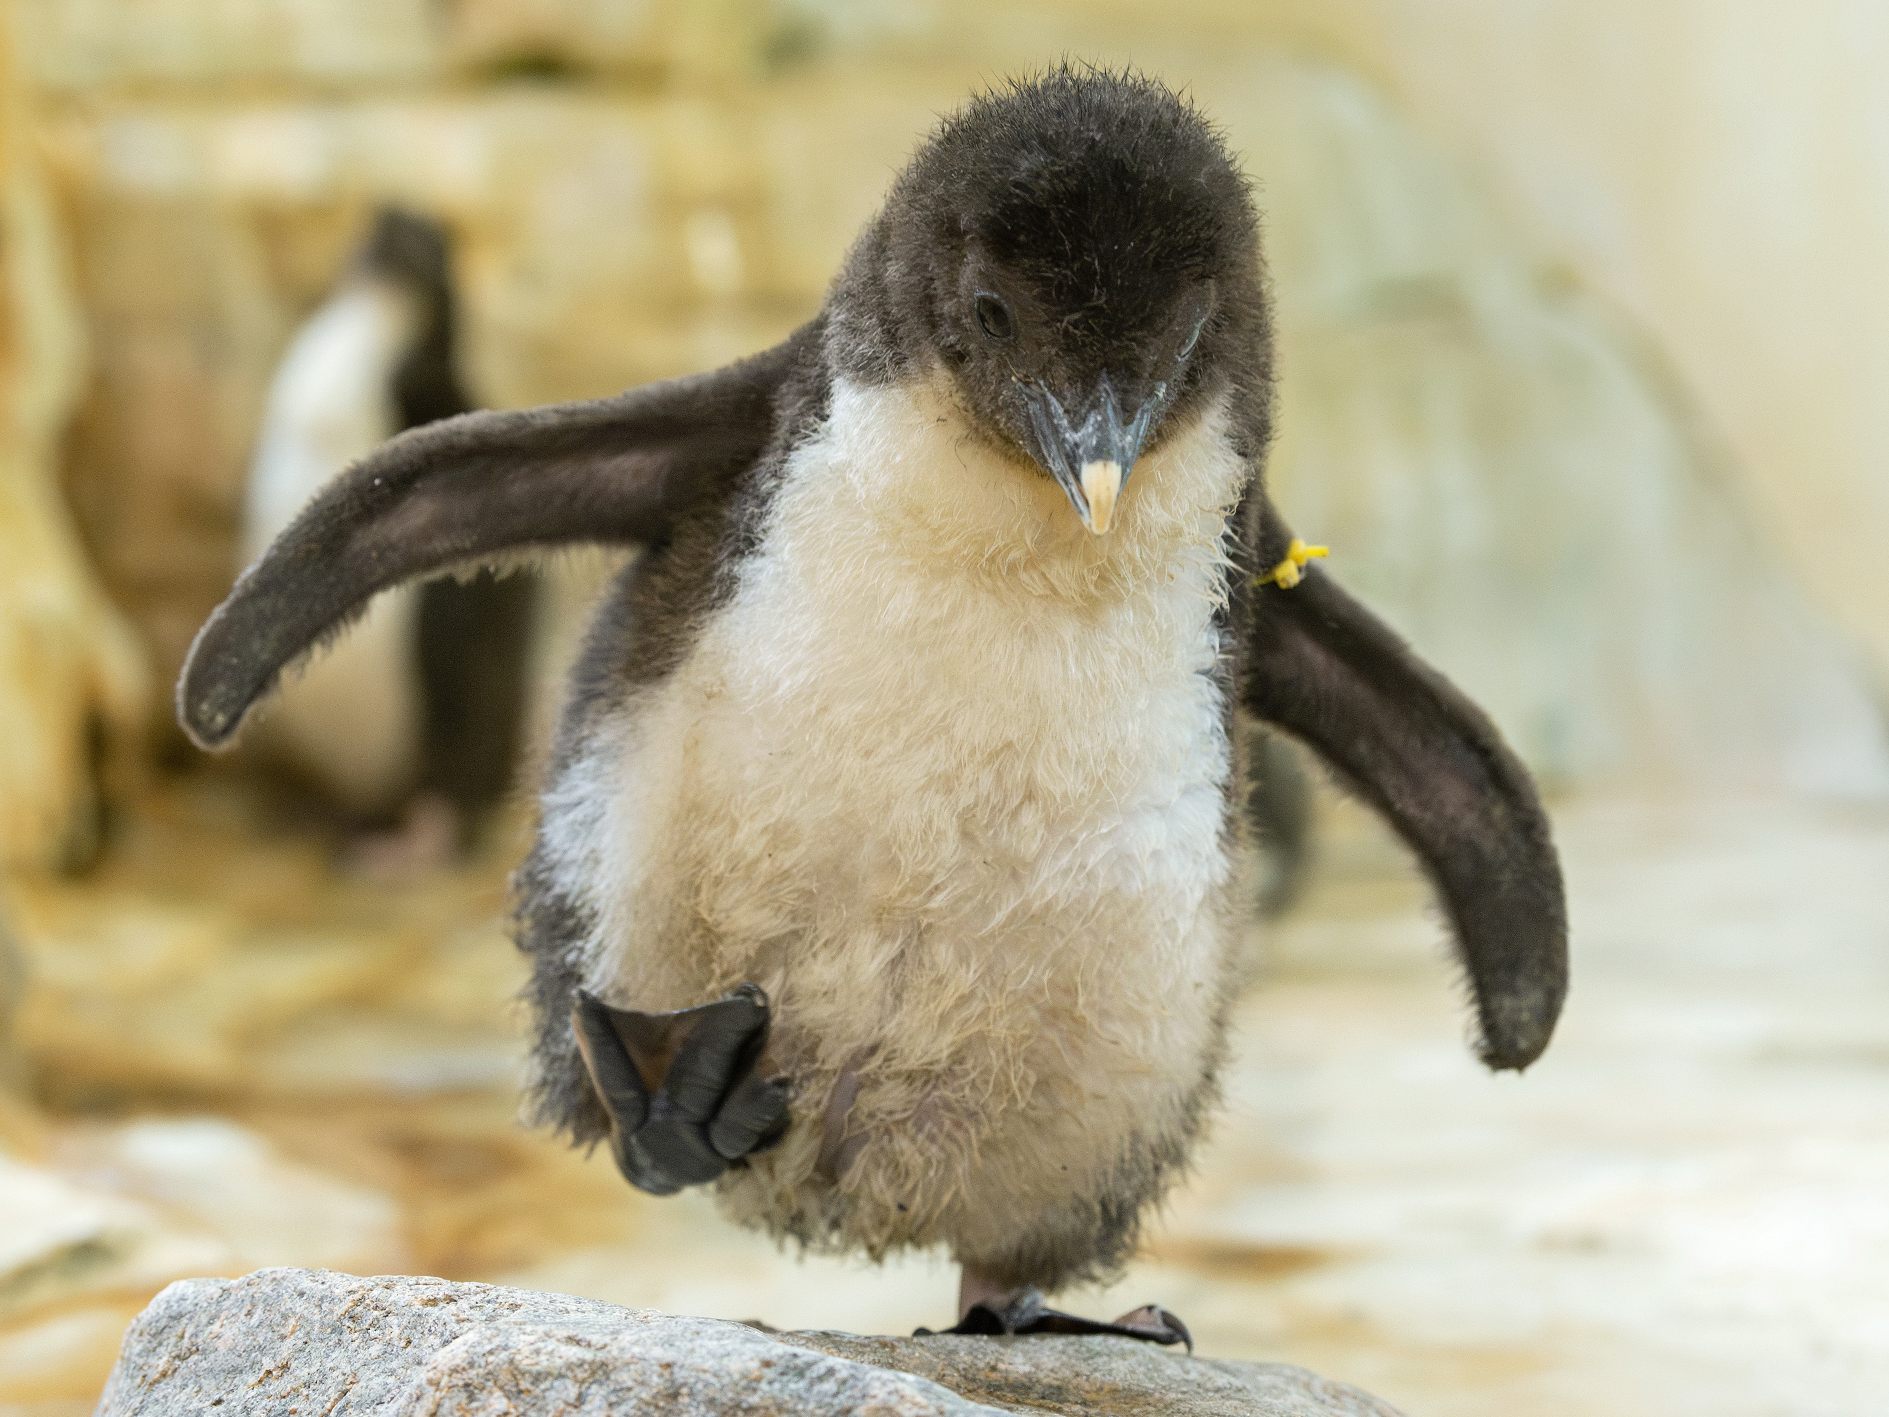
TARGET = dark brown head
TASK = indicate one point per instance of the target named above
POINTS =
(406, 249)
(1081, 254)
(413, 253)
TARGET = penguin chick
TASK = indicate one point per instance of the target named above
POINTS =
(885, 876)
(417, 713)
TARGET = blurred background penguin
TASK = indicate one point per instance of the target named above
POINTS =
(410, 726)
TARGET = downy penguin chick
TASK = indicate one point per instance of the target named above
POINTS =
(886, 870)
(417, 715)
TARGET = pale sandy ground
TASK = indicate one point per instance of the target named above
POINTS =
(1683, 1208)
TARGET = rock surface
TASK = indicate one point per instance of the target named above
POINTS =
(289, 1340)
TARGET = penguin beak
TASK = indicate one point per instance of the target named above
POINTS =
(1091, 452)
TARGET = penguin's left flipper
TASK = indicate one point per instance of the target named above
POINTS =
(683, 1090)
(1026, 1313)
(474, 490)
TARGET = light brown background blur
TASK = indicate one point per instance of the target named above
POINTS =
(1583, 331)
(1552, 279)
(1716, 167)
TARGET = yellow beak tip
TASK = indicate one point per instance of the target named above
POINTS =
(1101, 485)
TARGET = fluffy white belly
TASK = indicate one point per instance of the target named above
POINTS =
(961, 811)
(849, 784)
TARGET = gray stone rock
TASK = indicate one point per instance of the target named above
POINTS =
(313, 1342)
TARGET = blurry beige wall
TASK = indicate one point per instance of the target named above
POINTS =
(1721, 169)
(68, 662)
(1577, 302)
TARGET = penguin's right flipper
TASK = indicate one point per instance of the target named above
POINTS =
(1323, 669)
(467, 491)
(683, 1090)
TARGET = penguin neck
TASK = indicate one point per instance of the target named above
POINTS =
(900, 474)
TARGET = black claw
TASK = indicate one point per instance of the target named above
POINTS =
(752, 1119)
(618, 1084)
(681, 1089)
(1026, 1313)
(706, 1061)
(1156, 1324)
(676, 1149)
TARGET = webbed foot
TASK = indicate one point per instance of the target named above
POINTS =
(1025, 1313)
(683, 1091)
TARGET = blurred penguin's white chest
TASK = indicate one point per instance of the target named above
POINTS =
(352, 717)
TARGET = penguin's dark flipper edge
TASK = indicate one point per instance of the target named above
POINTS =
(683, 1090)
(470, 491)
(1026, 1313)
(1323, 669)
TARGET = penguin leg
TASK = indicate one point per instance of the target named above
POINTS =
(424, 838)
(990, 1311)
(683, 1090)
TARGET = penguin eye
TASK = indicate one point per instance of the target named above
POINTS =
(1193, 338)
(993, 316)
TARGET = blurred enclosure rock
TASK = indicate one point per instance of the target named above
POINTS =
(1501, 461)
(163, 973)
(69, 668)
(306, 1341)
(122, 1206)
(1512, 476)
(100, 1218)
(12, 990)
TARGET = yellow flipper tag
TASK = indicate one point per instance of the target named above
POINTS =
(1291, 571)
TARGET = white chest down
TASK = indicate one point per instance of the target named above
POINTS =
(947, 777)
